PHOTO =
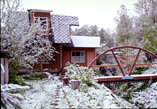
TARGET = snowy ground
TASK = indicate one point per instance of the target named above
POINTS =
(43, 95)
(50, 93)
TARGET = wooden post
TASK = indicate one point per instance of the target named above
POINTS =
(74, 84)
(60, 56)
(4, 71)
(6, 76)
(41, 66)
(95, 56)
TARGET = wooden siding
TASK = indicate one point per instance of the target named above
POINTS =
(89, 55)
(66, 57)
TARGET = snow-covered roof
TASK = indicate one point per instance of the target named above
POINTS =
(85, 41)
(39, 10)
(60, 26)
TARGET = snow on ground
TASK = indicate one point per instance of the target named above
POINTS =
(42, 95)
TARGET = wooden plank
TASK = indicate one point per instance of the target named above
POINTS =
(104, 66)
(117, 65)
(119, 78)
(145, 64)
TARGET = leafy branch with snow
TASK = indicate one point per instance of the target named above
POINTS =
(9, 100)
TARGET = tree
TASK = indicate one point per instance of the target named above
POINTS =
(23, 44)
(93, 30)
(86, 30)
(83, 31)
(124, 26)
(146, 8)
(148, 16)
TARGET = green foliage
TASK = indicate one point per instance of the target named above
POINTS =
(13, 71)
(139, 70)
(150, 39)
(35, 76)
(125, 90)
(18, 80)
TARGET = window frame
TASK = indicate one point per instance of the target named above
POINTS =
(78, 56)
(39, 22)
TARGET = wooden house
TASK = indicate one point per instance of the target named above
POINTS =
(74, 49)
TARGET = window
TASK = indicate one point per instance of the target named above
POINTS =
(42, 21)
(77, 57)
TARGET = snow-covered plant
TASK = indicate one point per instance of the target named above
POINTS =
(94, 98)
(147, 98)
(83, 74)
(152, 70)
(9, 100)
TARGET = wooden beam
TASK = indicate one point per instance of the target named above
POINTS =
(60, 56)
(145, 64)
(104, 66)
(117, 65)
(119, 78)
(41, 66)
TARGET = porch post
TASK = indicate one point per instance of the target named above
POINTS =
(60, 56)
(41, 66)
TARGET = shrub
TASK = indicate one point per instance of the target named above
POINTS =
(83, 74)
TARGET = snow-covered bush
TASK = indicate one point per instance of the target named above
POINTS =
(9, 100)
(146, 98)
(152, 70)
(83, 74)
(94, 98)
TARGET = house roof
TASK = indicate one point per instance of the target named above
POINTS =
(39, 10)
(85, 41)
(60, 27)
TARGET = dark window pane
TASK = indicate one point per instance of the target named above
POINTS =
(73, 53)
(77, 53)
